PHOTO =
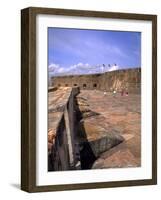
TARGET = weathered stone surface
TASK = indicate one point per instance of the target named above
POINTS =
(126, 79)
(51, 135)
(83, 110)
(119, 115)
(61, 124)
(82, 101)
(109, 133)
(50, 145)
(118, 157)
(52, 89)
(99, 138)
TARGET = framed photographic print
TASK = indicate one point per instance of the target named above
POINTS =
(88, 99)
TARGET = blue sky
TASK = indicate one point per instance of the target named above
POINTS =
(78, 51)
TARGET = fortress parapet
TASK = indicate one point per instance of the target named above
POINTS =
(125, 79)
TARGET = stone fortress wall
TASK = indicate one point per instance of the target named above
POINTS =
(63, 152)
(126, 79)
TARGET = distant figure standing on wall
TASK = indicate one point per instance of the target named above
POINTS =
(103, 68)
(114, 93)
(105, 93)
(127, 93)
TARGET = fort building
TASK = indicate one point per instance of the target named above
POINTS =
(126, 79)
(89, 128)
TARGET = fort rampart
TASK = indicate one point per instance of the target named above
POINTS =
(126, 79)
(61, 136)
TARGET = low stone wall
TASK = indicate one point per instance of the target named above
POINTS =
(61, 136)
(127, 79)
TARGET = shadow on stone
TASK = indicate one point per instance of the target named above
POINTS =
(87, 157)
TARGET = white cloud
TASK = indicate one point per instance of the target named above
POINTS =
(52, 67)
(80, 65)
(61, 70)
(80, 68)
(56, 69)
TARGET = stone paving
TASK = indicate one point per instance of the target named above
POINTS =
(120, 114)
(111, 124)
(56, 103)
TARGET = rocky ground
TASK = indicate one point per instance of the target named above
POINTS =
(119, 118)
